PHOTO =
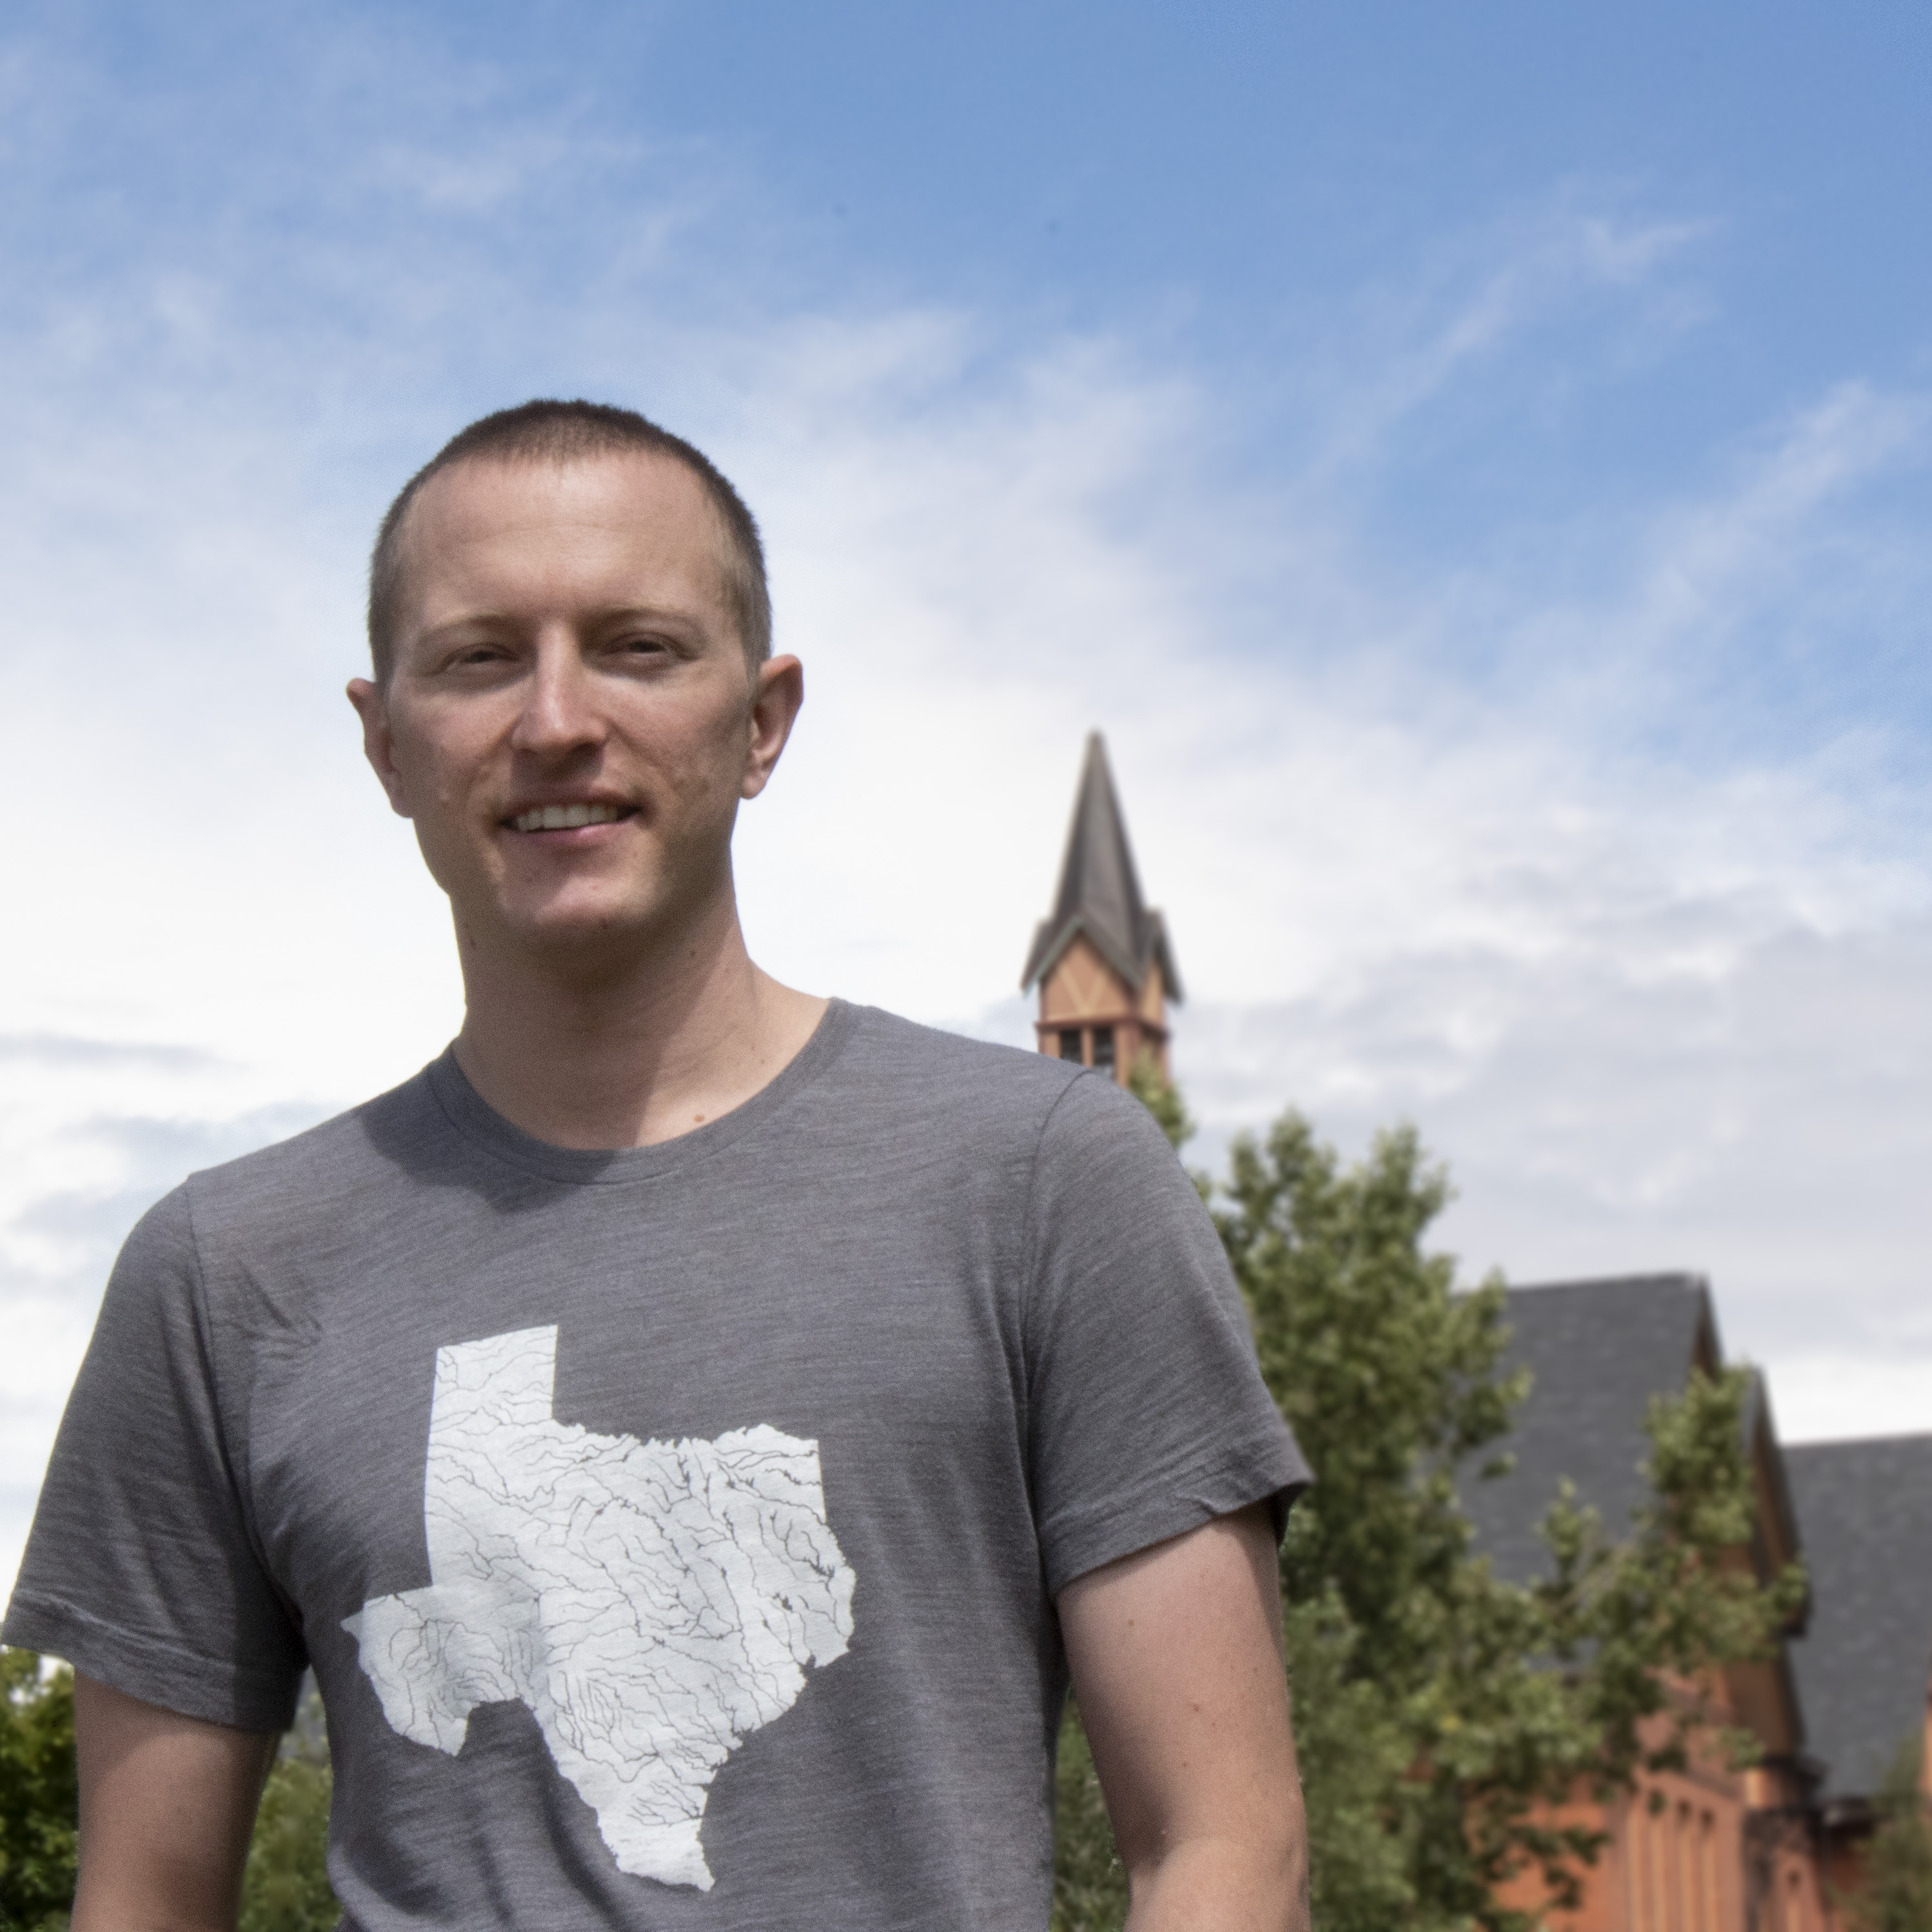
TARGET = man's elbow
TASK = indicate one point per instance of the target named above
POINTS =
(1246, 1872)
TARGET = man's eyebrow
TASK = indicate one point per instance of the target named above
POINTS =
(651, 613)
(664, 616)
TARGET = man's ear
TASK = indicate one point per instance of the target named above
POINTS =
(378, 745)
(777, 691)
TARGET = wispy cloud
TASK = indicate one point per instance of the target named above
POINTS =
(1717, 564)
(1479, 297)
(53, 1050)
(1469, 837)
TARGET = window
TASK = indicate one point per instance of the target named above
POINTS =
(1656, 1836)
(1680, 1880)
(1070, 1044)
(1707, 1869)
(1103, 1047)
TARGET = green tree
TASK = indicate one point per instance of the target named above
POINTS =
(1487, 1702)
(1439, 1710)
(1089, 1883)
(1894, 1893)
(37, 1794)
(1162, 1099)
(285, 1887)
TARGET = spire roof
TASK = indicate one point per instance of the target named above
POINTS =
(1100, 894)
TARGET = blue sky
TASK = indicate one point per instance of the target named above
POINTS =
(399, 216)
(1473, 463)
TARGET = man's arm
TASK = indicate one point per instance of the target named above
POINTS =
(166, 1806)
(1176, 1664)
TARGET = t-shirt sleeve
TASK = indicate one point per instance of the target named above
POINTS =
(1147, 1415)
(140, 1569)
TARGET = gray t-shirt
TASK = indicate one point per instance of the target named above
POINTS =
(674, 1532)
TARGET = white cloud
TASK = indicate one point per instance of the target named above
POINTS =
(1658, 1009)
(1764, 1123)
(92, 1132)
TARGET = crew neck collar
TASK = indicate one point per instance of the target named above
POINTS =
(478, 1122)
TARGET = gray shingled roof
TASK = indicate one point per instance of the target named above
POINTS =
(1597, 1352)
(1865, 1512)
(1100, 892)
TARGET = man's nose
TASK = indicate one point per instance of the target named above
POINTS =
(560, 711)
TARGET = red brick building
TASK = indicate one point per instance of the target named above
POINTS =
(1710, 1849)
(1776, 1848)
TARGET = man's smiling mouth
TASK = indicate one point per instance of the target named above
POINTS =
(567, 818)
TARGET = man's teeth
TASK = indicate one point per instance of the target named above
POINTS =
(562, 818)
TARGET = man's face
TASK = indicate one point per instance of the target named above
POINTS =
(570, 722)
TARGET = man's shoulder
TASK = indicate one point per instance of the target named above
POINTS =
(880, 1036)
(321, 1168)
(892, 1057)
(969, 1088)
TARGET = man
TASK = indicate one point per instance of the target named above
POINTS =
(693, 1428)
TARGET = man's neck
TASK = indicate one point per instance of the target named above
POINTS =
(630, 1055)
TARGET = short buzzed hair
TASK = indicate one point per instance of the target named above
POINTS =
(556, 432)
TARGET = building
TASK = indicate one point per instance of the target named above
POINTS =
(1711, 1849)
(1772, 1848)
(1865, 1667)
(1101, 960)
(1775, 1848)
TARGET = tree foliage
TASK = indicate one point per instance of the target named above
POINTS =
(38, 1796)
(1162, 1099)
(1090, 1884)
(285, 1888)
(1441, 1712)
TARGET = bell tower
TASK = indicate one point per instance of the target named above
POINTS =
(1102, 962)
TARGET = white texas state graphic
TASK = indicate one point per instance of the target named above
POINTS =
(652, 1602)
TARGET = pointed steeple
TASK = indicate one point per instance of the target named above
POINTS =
(1102, 962)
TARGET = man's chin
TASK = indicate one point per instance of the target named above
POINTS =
(595, 923)
(598, 937)
(572, 935)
